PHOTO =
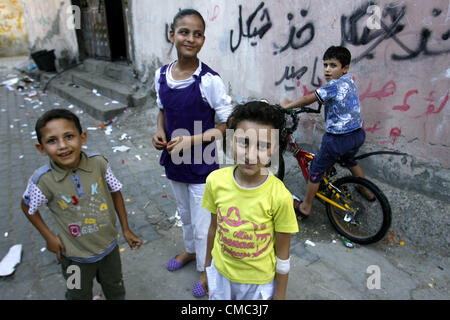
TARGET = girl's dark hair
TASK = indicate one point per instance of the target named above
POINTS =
(342, 54)
(56, 114)
(186, 12)
(260, 112)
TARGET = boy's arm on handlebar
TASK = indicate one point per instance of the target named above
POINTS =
(301, 102)
(309, 110)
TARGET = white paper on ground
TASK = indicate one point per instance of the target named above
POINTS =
(310, 243)
(10, 82)
(11, 259)
(121, 149)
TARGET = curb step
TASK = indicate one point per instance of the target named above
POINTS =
(95, 85)
(115, 71)
(104, 86)
(99, 107)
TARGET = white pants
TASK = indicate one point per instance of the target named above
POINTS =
(220, 288)
(195, 219)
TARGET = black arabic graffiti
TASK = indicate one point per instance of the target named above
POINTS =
(388, 30)
(256, 32)
(422, 47)
(350, 35)
(291, 74)
(297, 38)
(295, 35)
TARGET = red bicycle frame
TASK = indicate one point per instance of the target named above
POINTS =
(303, 157)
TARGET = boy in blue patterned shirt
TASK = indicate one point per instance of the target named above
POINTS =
(344, 134)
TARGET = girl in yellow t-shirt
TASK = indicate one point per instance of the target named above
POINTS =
(252, 215)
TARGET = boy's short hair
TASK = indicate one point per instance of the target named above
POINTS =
(186, 12)
(260, 112)
(342, 54)
(56, 114)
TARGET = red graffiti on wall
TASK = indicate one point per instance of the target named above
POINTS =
(405, 106)
(393, 135)
(306, 91)
(373, 128)
(215, 13)
(387, 90)
(431, 109)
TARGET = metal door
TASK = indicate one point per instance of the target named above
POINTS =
(94, 27)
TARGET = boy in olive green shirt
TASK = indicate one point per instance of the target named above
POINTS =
(83, 197)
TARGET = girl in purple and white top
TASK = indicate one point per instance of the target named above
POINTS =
(189, 96)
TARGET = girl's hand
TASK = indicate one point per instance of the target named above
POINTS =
(179, 144)
(55, 245)
(133, 241)
(159, 140)
(279, 296)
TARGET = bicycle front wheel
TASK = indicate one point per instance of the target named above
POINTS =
(365, 221)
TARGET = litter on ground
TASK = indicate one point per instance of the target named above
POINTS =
(121, 149)
(11, 260)
(310, 243)
(177, 219)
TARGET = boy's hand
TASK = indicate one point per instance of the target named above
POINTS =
(284, 103)
(159, 140)
(133, 241)
(55, 245)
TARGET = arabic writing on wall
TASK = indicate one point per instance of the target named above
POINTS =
(396, 56)
(356, 34)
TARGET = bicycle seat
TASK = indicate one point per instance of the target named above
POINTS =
(343, 160)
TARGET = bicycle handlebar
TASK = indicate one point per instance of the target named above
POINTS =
(293, 114)
(303, 110)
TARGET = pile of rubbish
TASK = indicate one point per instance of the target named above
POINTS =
(21, 83)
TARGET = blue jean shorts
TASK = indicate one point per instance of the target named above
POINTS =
(334, 147)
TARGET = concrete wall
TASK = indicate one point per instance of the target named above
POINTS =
(48, 28)
(13, 34)
(274, 49)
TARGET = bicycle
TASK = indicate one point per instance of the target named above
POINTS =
(350, 213)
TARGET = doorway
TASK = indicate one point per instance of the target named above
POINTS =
(116, 28)
(102, 34)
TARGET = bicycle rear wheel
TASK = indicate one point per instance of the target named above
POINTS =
(369, 221)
